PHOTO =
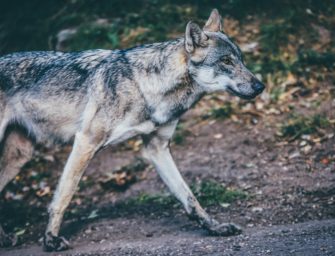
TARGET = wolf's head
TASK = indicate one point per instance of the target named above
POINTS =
(216, 63)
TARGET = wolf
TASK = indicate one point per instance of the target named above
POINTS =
(97, 98)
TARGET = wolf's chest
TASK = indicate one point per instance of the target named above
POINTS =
(165, 112)
(170, 108)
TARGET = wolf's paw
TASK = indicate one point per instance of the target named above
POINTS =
(7, 240)
(225, 229)
(53, 243)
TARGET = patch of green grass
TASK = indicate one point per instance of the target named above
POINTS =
(222, 112)
(213, 193)
(163, 201)
(299, 125)
(155, 199)
(207, 192)
(178, 138)
(180, 134)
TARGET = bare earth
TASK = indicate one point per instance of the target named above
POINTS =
(290, 209)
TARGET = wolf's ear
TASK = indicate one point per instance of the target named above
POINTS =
(213, 23)
(194, 37)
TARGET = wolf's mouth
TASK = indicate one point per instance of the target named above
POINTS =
(243, 96)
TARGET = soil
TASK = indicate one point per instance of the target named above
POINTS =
(289, 210)
(165, 237)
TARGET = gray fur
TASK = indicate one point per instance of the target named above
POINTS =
(103, 97)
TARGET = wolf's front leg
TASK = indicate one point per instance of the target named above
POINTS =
(83, 150)
(158, 152)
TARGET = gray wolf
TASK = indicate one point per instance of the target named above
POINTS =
(97, 98)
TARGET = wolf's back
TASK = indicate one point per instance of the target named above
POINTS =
(24, 70)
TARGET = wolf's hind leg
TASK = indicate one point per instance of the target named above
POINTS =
(17, 151)
(157, 150)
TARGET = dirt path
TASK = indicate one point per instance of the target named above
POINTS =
(310, 238)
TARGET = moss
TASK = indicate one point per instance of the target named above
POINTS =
(222, 112)
(208, 193)
(299, 125)
(212, 193)
(180, 134)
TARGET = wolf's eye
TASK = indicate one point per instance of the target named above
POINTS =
(227, 61)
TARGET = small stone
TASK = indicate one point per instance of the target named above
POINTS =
(303, 143)
(218, 136)
(88, 231)
(306, 137)
(257, 209)
(225, 205)
(307, 149)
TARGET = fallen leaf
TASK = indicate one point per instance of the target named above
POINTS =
(20, 232)
(93, 214)
(325, 161)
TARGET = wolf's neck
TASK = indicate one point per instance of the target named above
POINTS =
(160, 66)
(162, 75)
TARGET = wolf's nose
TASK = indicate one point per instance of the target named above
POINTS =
(258, 87)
